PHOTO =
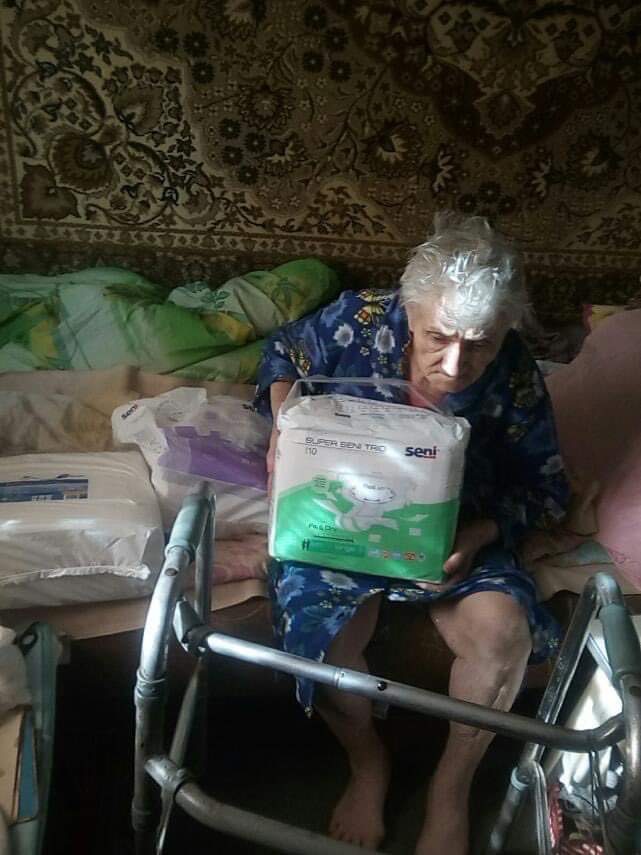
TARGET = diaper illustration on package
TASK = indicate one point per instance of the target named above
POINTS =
(366, 486)
(371, 499)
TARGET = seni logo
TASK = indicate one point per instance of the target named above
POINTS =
(128, 412)
(425, 453)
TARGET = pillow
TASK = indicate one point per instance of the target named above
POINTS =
(67, 411)
(597, 405)
(32, 421)
(594, 313)
(102, 390)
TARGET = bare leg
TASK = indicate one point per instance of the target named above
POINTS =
(358, 816)
(489, 636)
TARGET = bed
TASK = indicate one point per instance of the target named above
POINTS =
(70, 410)
(66, 405)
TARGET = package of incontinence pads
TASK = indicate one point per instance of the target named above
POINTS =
(77, 528)
(186, 437)
(366, 486)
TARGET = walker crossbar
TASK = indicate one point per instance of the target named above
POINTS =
(192, 538)
(199, 640)
(236, 822)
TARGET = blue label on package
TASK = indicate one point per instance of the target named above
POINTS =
(49, 490)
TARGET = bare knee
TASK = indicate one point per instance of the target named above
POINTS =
(497, 663)
(491, 629)
(507, 643)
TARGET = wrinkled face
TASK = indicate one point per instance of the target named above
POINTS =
(446, 358)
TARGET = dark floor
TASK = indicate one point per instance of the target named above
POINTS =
(265, 756)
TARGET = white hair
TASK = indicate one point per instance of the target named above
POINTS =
(469, 268)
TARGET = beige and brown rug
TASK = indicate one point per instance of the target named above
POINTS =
(190, 139)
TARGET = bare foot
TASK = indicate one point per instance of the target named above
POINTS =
(358, 816)
(446, 827)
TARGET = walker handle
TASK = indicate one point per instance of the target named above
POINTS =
(621, 641)
(187, 531)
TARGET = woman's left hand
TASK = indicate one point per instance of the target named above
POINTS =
(470, 538)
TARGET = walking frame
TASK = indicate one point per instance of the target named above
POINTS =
(192, 540)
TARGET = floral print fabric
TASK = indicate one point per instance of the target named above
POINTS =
(101, 317)
(310, 604)
(241, 132)
(513, 473)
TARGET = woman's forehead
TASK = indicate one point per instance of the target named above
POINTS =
(433, 315)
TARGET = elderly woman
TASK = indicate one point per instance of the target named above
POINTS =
(450, 331)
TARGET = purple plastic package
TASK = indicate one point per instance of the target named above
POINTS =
(213, 457)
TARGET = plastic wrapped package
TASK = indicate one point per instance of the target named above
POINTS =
(77, 528)
(186, 438)
(365, 485)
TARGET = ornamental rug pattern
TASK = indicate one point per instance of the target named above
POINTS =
(206, 134)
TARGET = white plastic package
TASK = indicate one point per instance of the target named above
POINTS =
(186, 438)
(77, 528)
(365, 485)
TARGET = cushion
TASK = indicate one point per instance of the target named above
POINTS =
(32, 421)
(594, 314)
(597, 404)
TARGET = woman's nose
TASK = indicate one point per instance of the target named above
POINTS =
(451, 361)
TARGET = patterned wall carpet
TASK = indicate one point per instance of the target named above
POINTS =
(193, 139)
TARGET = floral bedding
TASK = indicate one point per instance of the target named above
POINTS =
(102, 317)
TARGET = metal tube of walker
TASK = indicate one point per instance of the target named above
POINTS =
(549, 708)
(236, 822)
(196, 522)
(149, 692)
(537, 783)
(624, 823)
(409, 697)
(205, 560)
(193, 706)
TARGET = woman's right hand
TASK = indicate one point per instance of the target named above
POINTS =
(278, 391)
(271, 459)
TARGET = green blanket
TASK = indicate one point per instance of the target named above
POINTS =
(102, 317)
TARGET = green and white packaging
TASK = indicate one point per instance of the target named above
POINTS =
(366, 486)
